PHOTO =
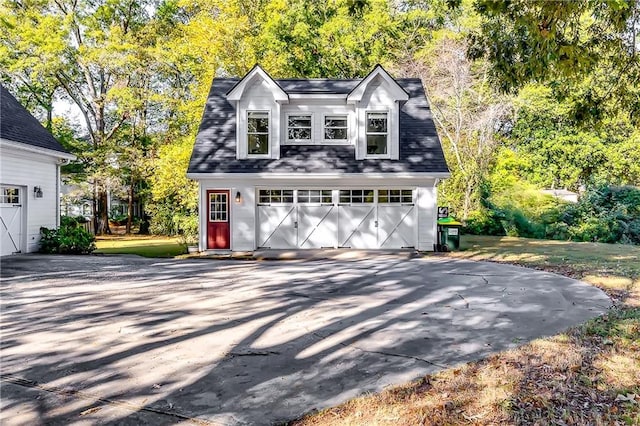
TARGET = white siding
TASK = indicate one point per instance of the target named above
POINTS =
(258, 97)
(28, 170)
(243, 215)
(377, 97)
(242, 220)
(426, 202)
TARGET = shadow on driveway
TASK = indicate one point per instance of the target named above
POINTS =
(128, 340)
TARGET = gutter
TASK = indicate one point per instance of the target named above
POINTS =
(305, 176)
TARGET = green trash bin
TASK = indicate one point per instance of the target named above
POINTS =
(448, 234)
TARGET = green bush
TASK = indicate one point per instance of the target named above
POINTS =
(68, 239)
(607, 214)
(187, 226)
(484, 222)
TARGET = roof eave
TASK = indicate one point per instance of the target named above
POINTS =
(398, 92)
(236, 92)
(6, 143)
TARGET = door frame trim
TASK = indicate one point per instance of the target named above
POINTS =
(207, 213)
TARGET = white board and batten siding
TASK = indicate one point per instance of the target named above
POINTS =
(27, 170)
(395, 229)
(377, 98)
(258, 97)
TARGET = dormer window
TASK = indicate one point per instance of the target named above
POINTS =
(377, 133)
(258, 132)
(299, 128)
(335, 128)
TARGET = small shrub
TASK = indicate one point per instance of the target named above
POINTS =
(485, 222)
(68, 239)
(187, 226)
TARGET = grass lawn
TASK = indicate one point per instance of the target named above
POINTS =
(589, 375)
(142, 245)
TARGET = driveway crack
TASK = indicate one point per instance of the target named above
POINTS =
(351, 346)
(486, 281)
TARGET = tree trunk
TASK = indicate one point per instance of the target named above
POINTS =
(94, 207)
(103, 221)
(130, 206)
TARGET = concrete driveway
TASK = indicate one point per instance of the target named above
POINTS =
(128, 340)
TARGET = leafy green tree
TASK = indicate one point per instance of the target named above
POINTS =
(341, 39)
(95, 53)
(566, 43)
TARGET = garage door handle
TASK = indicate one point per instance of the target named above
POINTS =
(376, 223)
(295, 225)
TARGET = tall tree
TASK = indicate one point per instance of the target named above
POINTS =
(566, 43)
(98, 68)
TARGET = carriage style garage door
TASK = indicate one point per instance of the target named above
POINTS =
(10, 220)
(325, 218)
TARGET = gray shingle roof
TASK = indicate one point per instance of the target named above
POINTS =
(215, 150)
(18, 125)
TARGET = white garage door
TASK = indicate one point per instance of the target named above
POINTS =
(353, 218)
(10, 220)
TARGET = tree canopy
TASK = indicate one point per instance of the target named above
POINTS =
(526, 93)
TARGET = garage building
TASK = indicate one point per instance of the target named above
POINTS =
(30, 159)
(317, 163)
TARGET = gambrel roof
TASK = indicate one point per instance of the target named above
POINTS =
(18, 125)
(215, 147)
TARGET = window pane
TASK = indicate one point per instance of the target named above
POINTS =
(368, 196)
(299, 121)
(337, 121)
(344, 196)
(327, 197)
(287, 196)
(299, 133)
(407, 196)
(376, 144)
(258, 122)
(258, 144)
(383, 196)
(339, 134)
(377, 122)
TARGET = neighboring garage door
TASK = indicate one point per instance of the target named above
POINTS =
(325, 218)
(10, 220)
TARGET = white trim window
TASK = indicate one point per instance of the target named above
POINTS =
(299, 128)
(356, 196)
(268, 197)
(218, 207)
(395, 196)
(377, 133)
(9, 195)
(315, 196)
(336, 128)
(257, 133)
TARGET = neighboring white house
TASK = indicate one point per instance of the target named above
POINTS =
(317, 163)
(30, 159)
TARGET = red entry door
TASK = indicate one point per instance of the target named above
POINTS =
(218, 232)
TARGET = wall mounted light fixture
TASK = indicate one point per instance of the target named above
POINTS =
(238, 197)
(37, 192)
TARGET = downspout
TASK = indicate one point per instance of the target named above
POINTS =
(58, 186)
(435, 222)
(59, 164)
